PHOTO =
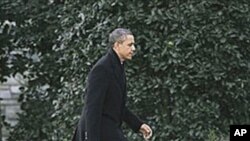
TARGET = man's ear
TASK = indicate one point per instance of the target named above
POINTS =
(116, 45)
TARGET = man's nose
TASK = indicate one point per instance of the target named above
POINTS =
(133, 47)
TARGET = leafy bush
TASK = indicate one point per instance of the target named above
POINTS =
(189, 79)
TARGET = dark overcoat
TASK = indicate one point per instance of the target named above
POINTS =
(104, 107)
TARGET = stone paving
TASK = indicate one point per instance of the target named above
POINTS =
(9, 92)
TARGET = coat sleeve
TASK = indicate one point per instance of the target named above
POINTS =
(96, 91)
(132, 120)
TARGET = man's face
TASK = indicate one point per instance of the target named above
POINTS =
(126, 48)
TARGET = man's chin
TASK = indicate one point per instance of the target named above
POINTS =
(129, 58)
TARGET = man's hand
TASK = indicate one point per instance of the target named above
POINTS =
(146, 131)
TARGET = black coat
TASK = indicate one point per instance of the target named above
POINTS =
(105, 99)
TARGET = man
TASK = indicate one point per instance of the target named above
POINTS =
(106, 92)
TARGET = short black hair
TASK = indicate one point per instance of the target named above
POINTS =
(118, 35)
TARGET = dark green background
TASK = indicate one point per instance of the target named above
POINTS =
(189, 79)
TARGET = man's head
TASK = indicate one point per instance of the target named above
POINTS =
(122, 41)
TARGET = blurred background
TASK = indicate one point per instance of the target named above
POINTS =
(189, 79)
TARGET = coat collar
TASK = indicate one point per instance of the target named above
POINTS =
(115, 58)
(118, 69)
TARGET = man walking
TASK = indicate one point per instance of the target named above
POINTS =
(105, 108)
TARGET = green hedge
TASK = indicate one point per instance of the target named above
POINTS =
(189, 79)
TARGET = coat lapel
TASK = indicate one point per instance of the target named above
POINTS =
(118, 70)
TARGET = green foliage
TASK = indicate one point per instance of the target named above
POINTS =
(6, 32)
(189, 80)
